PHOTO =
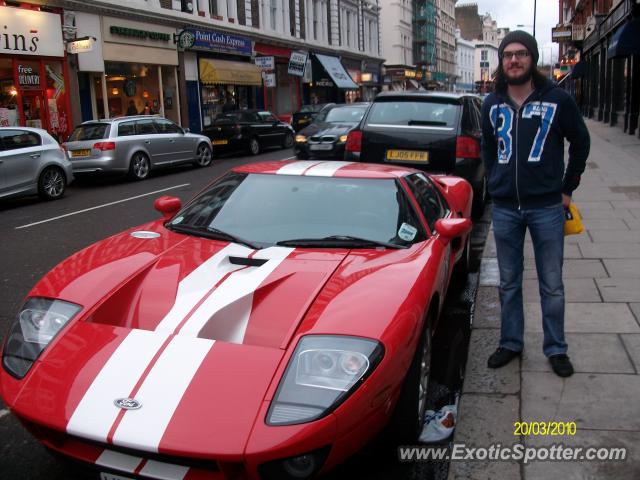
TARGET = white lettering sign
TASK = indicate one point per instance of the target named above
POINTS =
(28, 32)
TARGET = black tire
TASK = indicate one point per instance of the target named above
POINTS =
(204, 156)
(288, 140)
(408, 416)
(139, 166)
(479, 199)
(254, 146)
(52, 183)
(462, 268)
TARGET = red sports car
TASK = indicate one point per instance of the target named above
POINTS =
(268, 329)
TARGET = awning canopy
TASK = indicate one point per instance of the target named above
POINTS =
(579, 69)
(229, 73)
(337, 72)
(626, 41)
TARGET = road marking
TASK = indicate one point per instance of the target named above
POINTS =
(290, 158)
(4, 412)
(101, 206)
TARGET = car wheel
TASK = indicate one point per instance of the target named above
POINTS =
(408, 417)
(51, 183)
(139, 167)
(462, 267)
(288, 140)
(203, 155)
(254, 146)
(479, 199)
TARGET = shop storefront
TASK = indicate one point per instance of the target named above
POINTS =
(33, 74)
(330, 81)
(399, 78)
(226, 79)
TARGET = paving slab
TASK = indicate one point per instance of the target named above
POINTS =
(619, 289)
(632, 344)
(623, 268)
(633, 224)
(630, 204)
(588, 215)
(574, 268)
(618, 236)
(609, 250)
(585, 350)
(635, 308)
(487, 308)
(481, 379)
(489, 273)
(592, 400)
(587, 318)
(592, 224)
(575, 290)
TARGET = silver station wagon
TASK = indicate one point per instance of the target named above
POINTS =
(134, 145)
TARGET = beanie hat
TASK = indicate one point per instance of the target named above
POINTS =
(526, 39)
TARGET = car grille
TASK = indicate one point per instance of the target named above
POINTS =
(323, 139)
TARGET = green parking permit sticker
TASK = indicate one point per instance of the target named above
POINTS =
(407, 232)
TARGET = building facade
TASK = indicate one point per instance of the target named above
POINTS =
(465, 64)
(485, 64)
(445, 71)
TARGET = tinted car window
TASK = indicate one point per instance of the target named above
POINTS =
(341, 114)
(430, 200)
(145, 127)
(408, 112)
(92, 131)
(166, 126)
(16, 139)
(267, 117)
(126, 129)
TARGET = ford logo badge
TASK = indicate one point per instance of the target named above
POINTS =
(127, 403)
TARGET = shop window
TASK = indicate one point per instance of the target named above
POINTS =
(17, 139)
(145, 127)
(59, 122)
(126, 129)
(170, 94)
(8, 95)
(129, 82)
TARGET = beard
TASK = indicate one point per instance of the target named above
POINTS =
(520, 79)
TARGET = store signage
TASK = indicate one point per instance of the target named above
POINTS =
(186, 40)
(216, 42)
(297, 62)
(561, 32)
(265, 63)
(308, 73)
(141, 34)
(81, 46)
(269, 79)
(28, 77)
(28, 32)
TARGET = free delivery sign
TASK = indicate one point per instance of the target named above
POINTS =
(209, 40)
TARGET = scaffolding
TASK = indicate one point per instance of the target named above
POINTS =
(424, 34)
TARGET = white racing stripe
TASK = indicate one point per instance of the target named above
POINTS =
(198, 283)
(326, 169)
(164, 471)
(161, 392)
(239, 287)
(96, 412)
(297, 168)
(118, 461)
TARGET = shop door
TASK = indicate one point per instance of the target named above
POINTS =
(33, 109)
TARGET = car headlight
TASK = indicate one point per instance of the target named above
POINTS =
(301, 139)
(37, 324)
(322, 372)
(343, 138)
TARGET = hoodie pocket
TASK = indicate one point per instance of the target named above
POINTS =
(500, 181)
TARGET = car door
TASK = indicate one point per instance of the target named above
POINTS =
(19, 159)
(271, 133)
(181, 147)
(153, 142)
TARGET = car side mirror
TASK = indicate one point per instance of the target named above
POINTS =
(168, 206)
(186, 130)
(451, 228)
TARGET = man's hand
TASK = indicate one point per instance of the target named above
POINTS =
(566, 200)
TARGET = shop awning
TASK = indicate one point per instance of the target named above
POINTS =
(579, 69)
(626, 41)
(229, 73)
(414, 84)
(337, 72)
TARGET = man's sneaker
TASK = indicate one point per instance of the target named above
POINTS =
(561, 365)
(501, 357)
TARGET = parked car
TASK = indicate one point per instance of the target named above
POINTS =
(32, 162)
(251, 130)
(134, 145)
(436, 132)
(327, 135)
(307, 113)
(268, 329)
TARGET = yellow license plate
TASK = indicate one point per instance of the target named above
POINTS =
(80, 153)
(407, 156)
(220, 142)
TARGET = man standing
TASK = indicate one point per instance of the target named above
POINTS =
(524, 124)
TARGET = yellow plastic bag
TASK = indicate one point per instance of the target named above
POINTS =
(572, 220)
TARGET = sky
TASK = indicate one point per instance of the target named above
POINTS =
(511, 13)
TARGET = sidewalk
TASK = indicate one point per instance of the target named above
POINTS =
(602, 324)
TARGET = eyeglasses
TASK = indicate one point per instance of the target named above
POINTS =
(520, 54)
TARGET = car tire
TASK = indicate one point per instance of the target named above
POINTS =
(408, 417)
(479, 199)
(462, 267)
(139, 166)
(288, 140)
(204, 156)
(51, 183)
(254, 146)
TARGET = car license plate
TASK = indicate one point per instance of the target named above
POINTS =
(80, 153)
(111, 476)
(407, 156)
(324, 146)
(220, 142)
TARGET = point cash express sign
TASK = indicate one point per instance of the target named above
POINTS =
(28, 32)
(209, 40)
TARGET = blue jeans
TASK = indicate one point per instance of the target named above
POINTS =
(546, 226)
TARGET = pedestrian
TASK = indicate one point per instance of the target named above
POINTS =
(132, 110)
(524, 124)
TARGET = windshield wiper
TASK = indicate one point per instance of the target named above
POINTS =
(213, 233)
(431, 123)
(337, 241)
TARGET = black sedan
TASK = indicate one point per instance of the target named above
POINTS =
(327, 135)
(250, 130)
(432, 131)
(307, 114)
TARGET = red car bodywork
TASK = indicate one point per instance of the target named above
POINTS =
(206, 388)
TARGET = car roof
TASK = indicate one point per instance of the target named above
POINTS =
(420, 94)
(127, 117)
(321, 168)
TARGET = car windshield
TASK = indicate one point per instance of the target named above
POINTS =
(419, 113)
(342, 115)
(266, 209)
(311, 108)
(91, 131)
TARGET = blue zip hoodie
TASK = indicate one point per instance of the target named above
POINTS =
(523, 149)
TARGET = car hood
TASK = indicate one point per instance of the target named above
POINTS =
(323, 128)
